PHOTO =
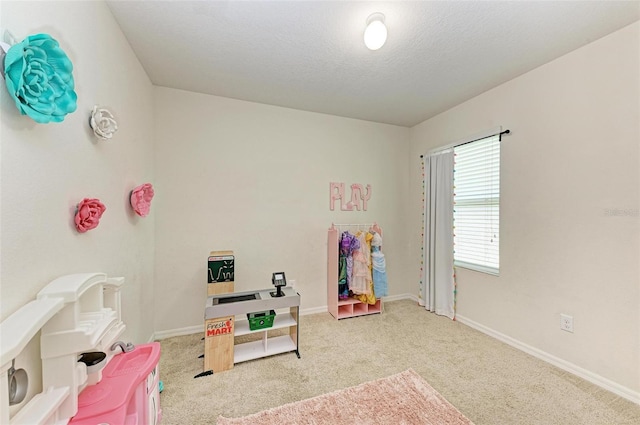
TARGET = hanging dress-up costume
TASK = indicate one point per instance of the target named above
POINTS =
(379, 267)
(370, 296)
(343, 287)
(354, 244)
(361, 273)
(348, 243)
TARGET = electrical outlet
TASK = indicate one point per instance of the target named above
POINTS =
(566, 323)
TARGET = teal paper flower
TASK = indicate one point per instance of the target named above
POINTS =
(38, 77)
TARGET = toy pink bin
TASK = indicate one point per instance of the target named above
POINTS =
(128, 392)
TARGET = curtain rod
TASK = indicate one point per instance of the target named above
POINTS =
(507, 131)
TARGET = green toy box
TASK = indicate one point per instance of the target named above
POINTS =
(261, 319)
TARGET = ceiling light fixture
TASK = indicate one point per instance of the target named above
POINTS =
(375, 34)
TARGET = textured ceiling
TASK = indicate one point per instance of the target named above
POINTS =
(309, 55)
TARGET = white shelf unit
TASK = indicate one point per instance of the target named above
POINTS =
(267, 345)
(350, 307)
(226, 327)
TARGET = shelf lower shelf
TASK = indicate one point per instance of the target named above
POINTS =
(262, 348)
(280, 321)
(352, 307)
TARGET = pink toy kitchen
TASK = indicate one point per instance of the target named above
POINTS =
(88, 375)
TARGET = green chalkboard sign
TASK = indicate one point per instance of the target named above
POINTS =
(221, 268)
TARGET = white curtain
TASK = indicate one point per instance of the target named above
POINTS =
(438, 285)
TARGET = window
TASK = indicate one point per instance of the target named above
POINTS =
(476, 210)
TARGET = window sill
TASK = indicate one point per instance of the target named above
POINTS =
(477, 268)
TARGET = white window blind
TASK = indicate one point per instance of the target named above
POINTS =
(476, 210)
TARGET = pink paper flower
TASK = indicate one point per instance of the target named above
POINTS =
(88, 214)
(141, 198)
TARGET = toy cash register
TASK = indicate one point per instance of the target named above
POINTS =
(278, 280)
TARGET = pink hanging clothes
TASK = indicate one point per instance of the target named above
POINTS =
(360, 284)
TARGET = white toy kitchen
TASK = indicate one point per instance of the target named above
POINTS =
(89, 376)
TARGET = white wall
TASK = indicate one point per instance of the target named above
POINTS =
(572, 158)
(48, 168)
(255, 179)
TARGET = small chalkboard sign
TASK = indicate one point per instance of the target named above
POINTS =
(221, 266)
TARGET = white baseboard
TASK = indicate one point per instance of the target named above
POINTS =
(178, 332)
(596, 379)
(200, 328)
(400, 297)
(315, 310)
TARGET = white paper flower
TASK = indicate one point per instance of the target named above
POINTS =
(103, 123)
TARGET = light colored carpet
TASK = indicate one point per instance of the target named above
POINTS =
(488, 381)
(401, 399)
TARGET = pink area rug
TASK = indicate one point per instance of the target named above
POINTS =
(404, 398)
